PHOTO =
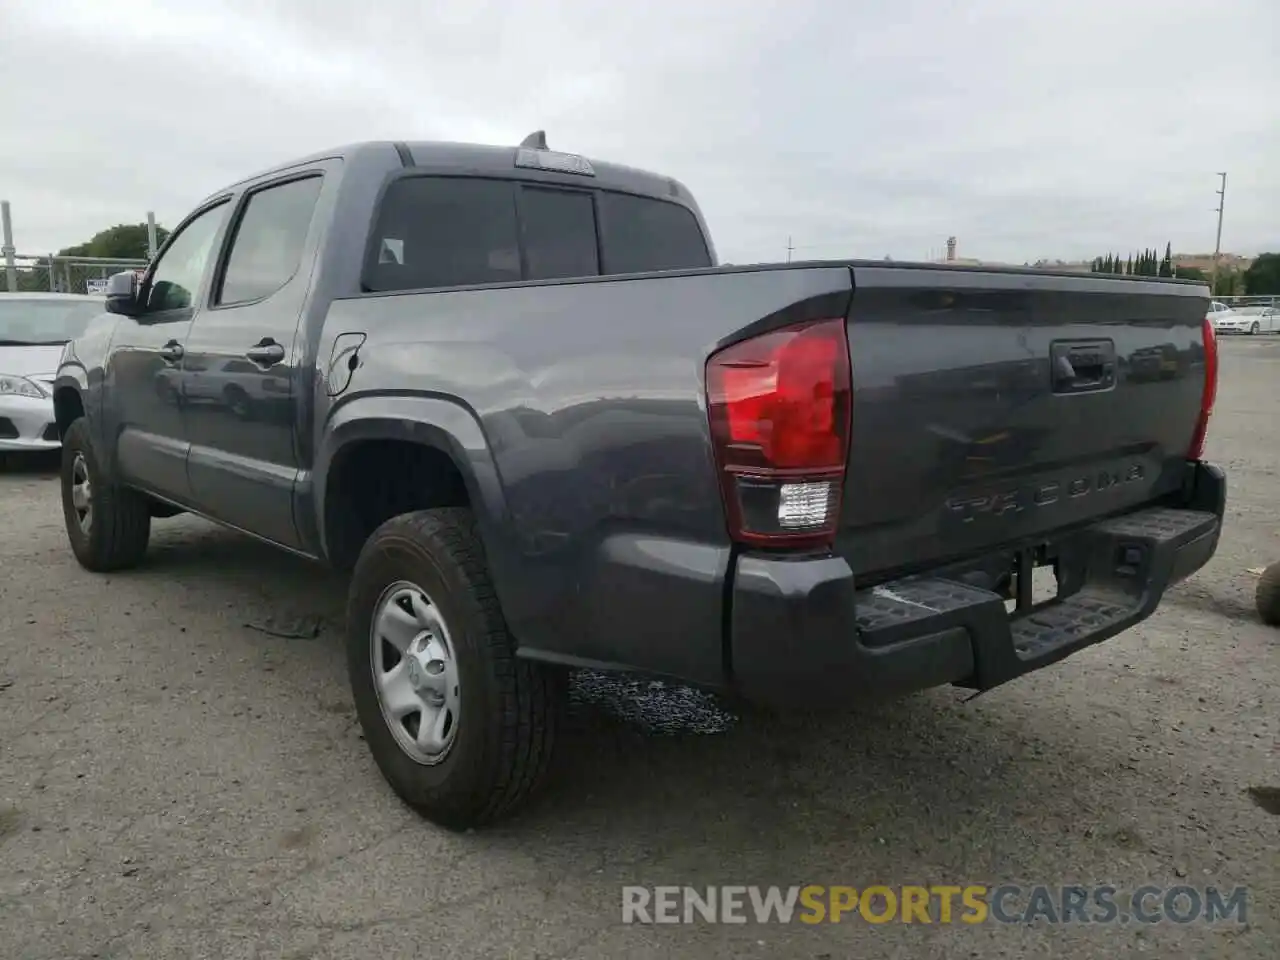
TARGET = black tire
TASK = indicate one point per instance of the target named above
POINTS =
(1254, 328)
(120, 524)
(509, 709)
(238, 402)
(1267, 595)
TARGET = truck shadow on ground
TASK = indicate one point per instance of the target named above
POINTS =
(660, 776)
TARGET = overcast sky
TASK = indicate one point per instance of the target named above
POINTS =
(867, 128)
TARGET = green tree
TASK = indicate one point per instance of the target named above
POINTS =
(1192, 273)
(1129, 266)
(125, 241)
(1166, 265)
(1228, 283)
(1263, 275)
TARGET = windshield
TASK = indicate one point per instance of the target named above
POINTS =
(32, 320)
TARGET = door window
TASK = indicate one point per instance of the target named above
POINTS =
(444, 232)
(177, 274)
(268, 242)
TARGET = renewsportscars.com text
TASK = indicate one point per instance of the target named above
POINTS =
(968, 904)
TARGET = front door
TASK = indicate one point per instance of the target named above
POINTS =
(143, 371)
(240, 362)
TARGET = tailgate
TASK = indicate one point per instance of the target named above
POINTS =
(992, 408)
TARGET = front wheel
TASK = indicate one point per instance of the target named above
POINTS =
(108, 525)
(461, 729)
(1253, 330)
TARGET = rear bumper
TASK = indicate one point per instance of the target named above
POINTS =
(801, 632)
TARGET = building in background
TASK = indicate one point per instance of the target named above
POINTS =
(1203, 262)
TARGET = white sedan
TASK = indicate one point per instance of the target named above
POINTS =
(1250, 320)
(33, 329)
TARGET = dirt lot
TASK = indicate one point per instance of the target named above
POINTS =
(174, 783)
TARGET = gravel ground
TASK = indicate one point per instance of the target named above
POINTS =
(174, 783)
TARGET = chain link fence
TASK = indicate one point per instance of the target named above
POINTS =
(55, 274)
(62, 274)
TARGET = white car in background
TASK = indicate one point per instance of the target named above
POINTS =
(34, 327)
(1250, 320)
(1257, 319)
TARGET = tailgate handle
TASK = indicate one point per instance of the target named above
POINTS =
(1083, 366)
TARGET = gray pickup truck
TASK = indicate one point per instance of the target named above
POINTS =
(511, 392)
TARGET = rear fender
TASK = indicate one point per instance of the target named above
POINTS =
(443, 424)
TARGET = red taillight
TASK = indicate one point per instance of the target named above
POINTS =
(779, 407)
(1210, 391)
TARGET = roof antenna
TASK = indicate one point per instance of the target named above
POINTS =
(535, 141)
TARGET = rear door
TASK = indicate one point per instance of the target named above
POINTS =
(241, 360)
(143, 375)
(990, 408)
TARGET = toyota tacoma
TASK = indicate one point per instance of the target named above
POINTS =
(513, 394)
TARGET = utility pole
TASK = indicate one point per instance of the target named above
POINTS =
(789, 248)
(6, 234)
(1217, 246)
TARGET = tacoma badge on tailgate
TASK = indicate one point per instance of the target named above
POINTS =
(1017, 499)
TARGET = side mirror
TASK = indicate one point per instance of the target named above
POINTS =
(122, 293)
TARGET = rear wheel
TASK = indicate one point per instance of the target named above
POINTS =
(108, 525)
(1267, 595)
(461, 729)
(238, 401)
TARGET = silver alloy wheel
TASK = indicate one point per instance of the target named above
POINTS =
(415, 672)
(82, 493)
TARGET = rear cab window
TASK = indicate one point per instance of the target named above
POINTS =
(641, 234)
(443, 231)
(558, 233)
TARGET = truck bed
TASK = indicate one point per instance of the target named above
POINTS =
(594, 454)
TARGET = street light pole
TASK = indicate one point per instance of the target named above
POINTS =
(1217, 246)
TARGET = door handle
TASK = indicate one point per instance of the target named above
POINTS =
(267, 352)
(171, 352)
